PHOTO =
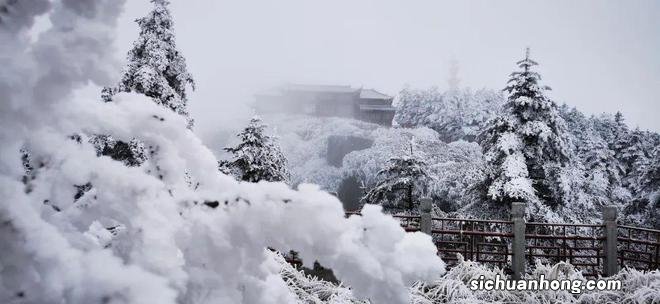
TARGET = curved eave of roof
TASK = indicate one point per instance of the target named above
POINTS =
(373, 94)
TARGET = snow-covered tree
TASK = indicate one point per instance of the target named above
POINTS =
(644, 209)
(526, 146)
(402, 183)
(455, 114)
(257, 157)
(132, 153)
(155, 67)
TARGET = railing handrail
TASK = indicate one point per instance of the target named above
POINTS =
(564, 224)
(639, 228)
(522, 240)
(471, 220)
(406, 216)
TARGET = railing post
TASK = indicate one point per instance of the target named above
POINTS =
(610, 266)
(425, 222)
(518, 246)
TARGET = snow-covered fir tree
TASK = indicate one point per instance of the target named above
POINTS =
(633, 151)
(402, 183)
(257, 157)
(155, 67)
(592, 155)
(645, 208)
(526, 147)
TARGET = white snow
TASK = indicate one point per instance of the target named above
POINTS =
(173, 248)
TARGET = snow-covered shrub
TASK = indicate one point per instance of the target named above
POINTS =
(454, 287)
(311, 290)
(455, 168)
(304, 141)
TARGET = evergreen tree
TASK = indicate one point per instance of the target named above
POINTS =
(526, 147)
(620, 140)
(257, 157)
(603, 172)
(402, 183)
(155, 67)
(600, 168)
(645, 208)
(633, 151)
(649, 181)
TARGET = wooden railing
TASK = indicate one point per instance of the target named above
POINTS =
(595, 249)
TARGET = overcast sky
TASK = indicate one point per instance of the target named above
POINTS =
(600, 56)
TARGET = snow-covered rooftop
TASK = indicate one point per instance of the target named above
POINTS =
(364, 93)
(373, 94)
(319, 88)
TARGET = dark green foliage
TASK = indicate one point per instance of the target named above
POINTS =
(257, 157)
(402, 183)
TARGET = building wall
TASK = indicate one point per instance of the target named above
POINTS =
(325, 104)
(335, 104)
(380, 117)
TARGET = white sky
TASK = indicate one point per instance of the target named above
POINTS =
(600, 56)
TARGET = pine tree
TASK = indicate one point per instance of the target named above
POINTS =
(645, 208)
(526, 147)
(155, 67)
(257, 157)
(601, 168)
(633, 150)
(649, 181)
(402, 183)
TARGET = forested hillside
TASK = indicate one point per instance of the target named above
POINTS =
(598, 160)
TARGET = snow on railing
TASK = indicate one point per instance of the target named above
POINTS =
(585, 246)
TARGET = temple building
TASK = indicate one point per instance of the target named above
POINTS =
(328, 100)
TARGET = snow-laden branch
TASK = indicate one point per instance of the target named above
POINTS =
(168, 242)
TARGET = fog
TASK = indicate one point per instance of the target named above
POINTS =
(600, 56)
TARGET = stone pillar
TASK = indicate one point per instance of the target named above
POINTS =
(518, 246)
(610, 266)
(425, 222)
